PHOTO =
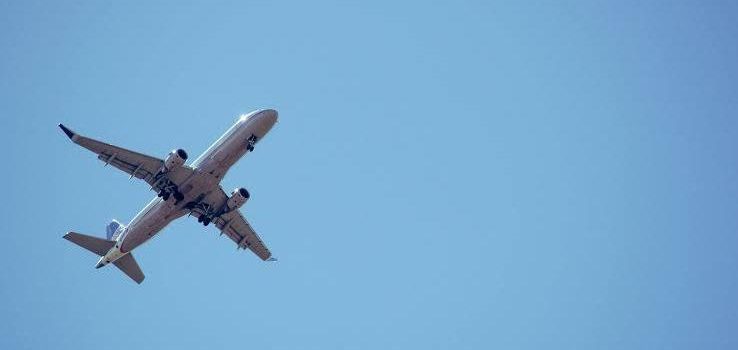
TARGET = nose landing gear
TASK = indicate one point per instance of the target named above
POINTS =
(251, 141)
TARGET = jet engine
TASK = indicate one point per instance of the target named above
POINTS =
(238, 197)
(175, 159)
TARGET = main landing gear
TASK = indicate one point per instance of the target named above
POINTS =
(164, 194)
(167, 188)
(204, 220)
(205, 212)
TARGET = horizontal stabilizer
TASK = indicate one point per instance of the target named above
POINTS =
(129, 266)
(96, 245)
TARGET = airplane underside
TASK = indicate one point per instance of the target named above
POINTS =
(181, 189)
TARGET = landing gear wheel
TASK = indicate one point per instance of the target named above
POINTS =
(206, 222)
(251, 141)
(165, 196)
(178, 196)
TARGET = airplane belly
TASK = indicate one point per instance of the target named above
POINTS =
(157, 215)
(228, 155)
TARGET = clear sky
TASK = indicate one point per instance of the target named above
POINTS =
(458, 175)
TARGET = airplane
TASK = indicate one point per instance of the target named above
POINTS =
(181, 189)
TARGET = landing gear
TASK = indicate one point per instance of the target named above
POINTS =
(205, 212)
(167, 188)
(164, 194)
(203, 220)
(251, 141)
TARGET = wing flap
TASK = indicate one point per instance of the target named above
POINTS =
(140, 170)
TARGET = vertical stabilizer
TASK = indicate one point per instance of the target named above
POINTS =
(113, 230)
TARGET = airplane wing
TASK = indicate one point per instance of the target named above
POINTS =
(235, 226)
(132, 163)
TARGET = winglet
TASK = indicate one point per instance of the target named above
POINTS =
(67, 131)
(272, 259)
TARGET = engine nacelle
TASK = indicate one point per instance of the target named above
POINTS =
(238, 197)
(176, 158)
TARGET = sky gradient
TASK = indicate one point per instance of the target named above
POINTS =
(444, 175)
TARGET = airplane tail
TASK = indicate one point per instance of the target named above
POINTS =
(114, 229)
(101, 246)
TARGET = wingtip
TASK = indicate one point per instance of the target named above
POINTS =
(67, 131)
(272, 259)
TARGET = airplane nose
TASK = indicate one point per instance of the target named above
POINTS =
(261, 116)
(268, 116)
(99, 265)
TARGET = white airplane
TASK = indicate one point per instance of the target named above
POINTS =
(182, 189)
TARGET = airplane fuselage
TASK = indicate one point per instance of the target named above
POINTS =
(209, 170)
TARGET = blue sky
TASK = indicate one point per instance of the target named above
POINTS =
(458, 175)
